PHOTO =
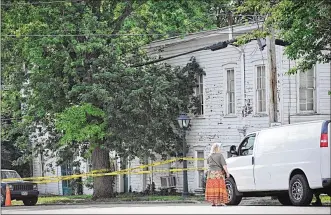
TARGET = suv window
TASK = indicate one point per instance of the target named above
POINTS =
(9, 174)
(247, 146)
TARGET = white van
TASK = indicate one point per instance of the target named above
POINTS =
(291, 162)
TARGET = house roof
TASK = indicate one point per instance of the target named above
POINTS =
(237, 30)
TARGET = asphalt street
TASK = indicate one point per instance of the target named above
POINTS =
(163, 209)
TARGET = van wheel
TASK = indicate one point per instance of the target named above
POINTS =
(284, 199)
(234, 198)
(299, 191)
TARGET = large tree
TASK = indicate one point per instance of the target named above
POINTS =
(72, 62)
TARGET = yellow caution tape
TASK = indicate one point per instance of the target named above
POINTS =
(104, 172)
(133, 173)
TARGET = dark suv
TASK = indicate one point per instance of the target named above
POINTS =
(19, 189)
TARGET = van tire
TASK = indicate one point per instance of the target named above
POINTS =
(235, 198)
(299, 191)
(284, 199)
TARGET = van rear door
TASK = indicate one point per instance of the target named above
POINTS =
(325, 150)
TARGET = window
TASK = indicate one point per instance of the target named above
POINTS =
(230, 91)
(88, 165)
(247, 146)
(200, 164)
(306, 91)
(261, 89)
(199, 93)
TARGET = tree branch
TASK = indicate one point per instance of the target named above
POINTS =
(120, 20)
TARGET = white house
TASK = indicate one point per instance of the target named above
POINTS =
(235, 92)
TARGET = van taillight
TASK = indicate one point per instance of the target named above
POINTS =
(324, 140)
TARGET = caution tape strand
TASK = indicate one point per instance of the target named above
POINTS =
(104, 172)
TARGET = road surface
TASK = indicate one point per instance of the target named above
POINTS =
(163, 209)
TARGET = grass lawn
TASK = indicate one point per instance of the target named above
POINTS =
(123, 197)
(58, 200)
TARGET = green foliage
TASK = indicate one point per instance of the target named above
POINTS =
(78, 85)
(305, 24)
(81, 123)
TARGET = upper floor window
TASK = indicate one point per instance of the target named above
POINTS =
(230, 91)
(199, 93)
(261, 89)
(307, 90)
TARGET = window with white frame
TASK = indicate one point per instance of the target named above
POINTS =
(200, 164)
(230, 91)
(199, 93)
(261, 89)
(307, 90)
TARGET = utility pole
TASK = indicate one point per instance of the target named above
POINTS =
(230, 20)
(272, 69)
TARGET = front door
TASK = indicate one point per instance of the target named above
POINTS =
(242, 166)
(66, 169)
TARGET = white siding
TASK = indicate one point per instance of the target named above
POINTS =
(44, 168)
(54, 188)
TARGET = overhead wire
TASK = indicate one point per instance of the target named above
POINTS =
(36, 3)
(99, 35)
(62, 1)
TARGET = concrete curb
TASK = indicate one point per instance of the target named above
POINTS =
(150, 202)
(118, 203)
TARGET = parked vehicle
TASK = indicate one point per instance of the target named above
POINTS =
(19, 189)
(291, 162)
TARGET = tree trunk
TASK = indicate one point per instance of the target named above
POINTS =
(102, 185)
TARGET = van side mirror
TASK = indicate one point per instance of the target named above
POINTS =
(233, 150)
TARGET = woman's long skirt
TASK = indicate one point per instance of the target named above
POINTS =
(216, 192)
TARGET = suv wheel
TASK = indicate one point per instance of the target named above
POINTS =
(31, 201)
(231, 187)
(299, 191)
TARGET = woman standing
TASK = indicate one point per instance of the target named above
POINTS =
(216, 192)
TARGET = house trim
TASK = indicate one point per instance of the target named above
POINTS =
(225, 94)
(201, 116)
(230, 63)
(267, 86)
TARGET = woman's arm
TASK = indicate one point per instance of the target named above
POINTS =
(223, 163)
(226, 171)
